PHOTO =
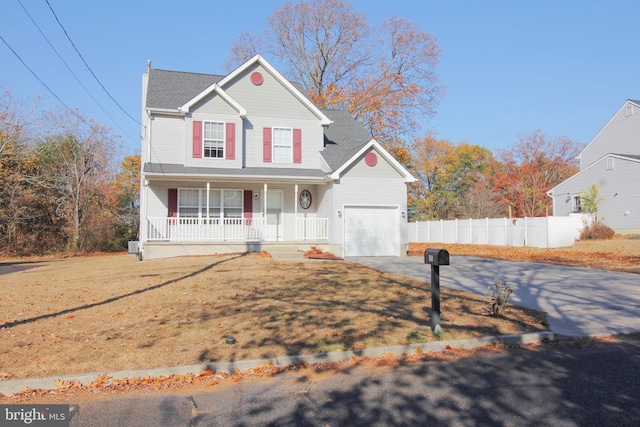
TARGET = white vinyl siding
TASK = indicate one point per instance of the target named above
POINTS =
(312, 142)
(166, 133)
(270, 99)
(619, 136)
(619, 189)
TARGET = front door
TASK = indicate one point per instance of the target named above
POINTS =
(275, 205)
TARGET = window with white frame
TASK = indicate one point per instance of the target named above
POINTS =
(192, 203)
(213, 140)
(577, 204)
(282, 145)
(608, 163)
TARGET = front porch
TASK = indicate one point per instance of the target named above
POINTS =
(176, 229)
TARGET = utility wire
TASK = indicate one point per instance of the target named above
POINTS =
(38, 78)
(87, 65)
(72, 73)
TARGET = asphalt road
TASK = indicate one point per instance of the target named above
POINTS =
(578, 301)
(570, 383)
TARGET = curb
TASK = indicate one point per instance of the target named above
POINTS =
(14, 386)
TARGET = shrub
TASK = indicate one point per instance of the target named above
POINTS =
(499, 298)
(597, 231)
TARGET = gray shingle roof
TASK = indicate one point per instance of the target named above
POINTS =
(172, 89)
(343, 138)
(177, 169)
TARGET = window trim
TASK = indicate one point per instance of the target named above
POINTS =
(222, 141)
(273, 144)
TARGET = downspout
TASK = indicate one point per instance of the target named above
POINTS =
(553, 203)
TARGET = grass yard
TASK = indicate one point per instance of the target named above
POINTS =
(107, 313)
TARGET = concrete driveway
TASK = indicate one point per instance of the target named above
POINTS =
(578, 301)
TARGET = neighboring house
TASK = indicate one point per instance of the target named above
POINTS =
(612, 161)
(245, 162)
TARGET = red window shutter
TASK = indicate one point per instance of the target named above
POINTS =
(266, 149)
(248, 204)
(297, 146)
(197, 139)
(173, 202)
(230, 148)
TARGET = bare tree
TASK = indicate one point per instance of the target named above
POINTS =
(384, 76)
(75, 160)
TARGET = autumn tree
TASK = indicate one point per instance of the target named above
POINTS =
(383, 75)
(74, 167)
(534, 165)
(125, 191)
(454, 180)
(24, 221)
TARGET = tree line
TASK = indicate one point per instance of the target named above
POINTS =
(64, 185)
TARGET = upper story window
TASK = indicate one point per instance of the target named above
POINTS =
(282, 145)
(608, 163)
(213, 140)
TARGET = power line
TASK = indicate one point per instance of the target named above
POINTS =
(72, 73)
(87, 65)
(38, 78)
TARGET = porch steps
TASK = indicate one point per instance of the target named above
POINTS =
(285, 253)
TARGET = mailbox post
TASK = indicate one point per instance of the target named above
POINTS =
(435, 257)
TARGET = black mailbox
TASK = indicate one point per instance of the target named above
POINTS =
(436, 256)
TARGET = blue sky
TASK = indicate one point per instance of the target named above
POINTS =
(509, 67)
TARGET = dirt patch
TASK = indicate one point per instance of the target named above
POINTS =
(107, 313)
(619, 254)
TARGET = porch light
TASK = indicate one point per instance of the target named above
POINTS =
(256, 196)
(402, 213)
(339, 213)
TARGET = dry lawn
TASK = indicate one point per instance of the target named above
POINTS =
(107, 313)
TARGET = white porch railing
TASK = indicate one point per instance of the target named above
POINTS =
(312, 228)
(228, 229)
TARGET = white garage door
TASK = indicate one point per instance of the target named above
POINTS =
(371, 231)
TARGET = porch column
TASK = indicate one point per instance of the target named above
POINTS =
(264, 202)
(295, 211)
(208, 188)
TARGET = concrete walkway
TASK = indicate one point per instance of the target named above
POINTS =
(578, 301)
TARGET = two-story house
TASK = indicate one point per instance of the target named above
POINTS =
(612, 161)
(246, 161)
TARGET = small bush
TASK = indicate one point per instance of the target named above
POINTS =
(597, 231)
(499, 298)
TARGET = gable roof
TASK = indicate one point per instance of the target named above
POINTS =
(636, 103)
(630, 157)
(168, 90)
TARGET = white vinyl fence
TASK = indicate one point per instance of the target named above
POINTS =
(546, 232)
